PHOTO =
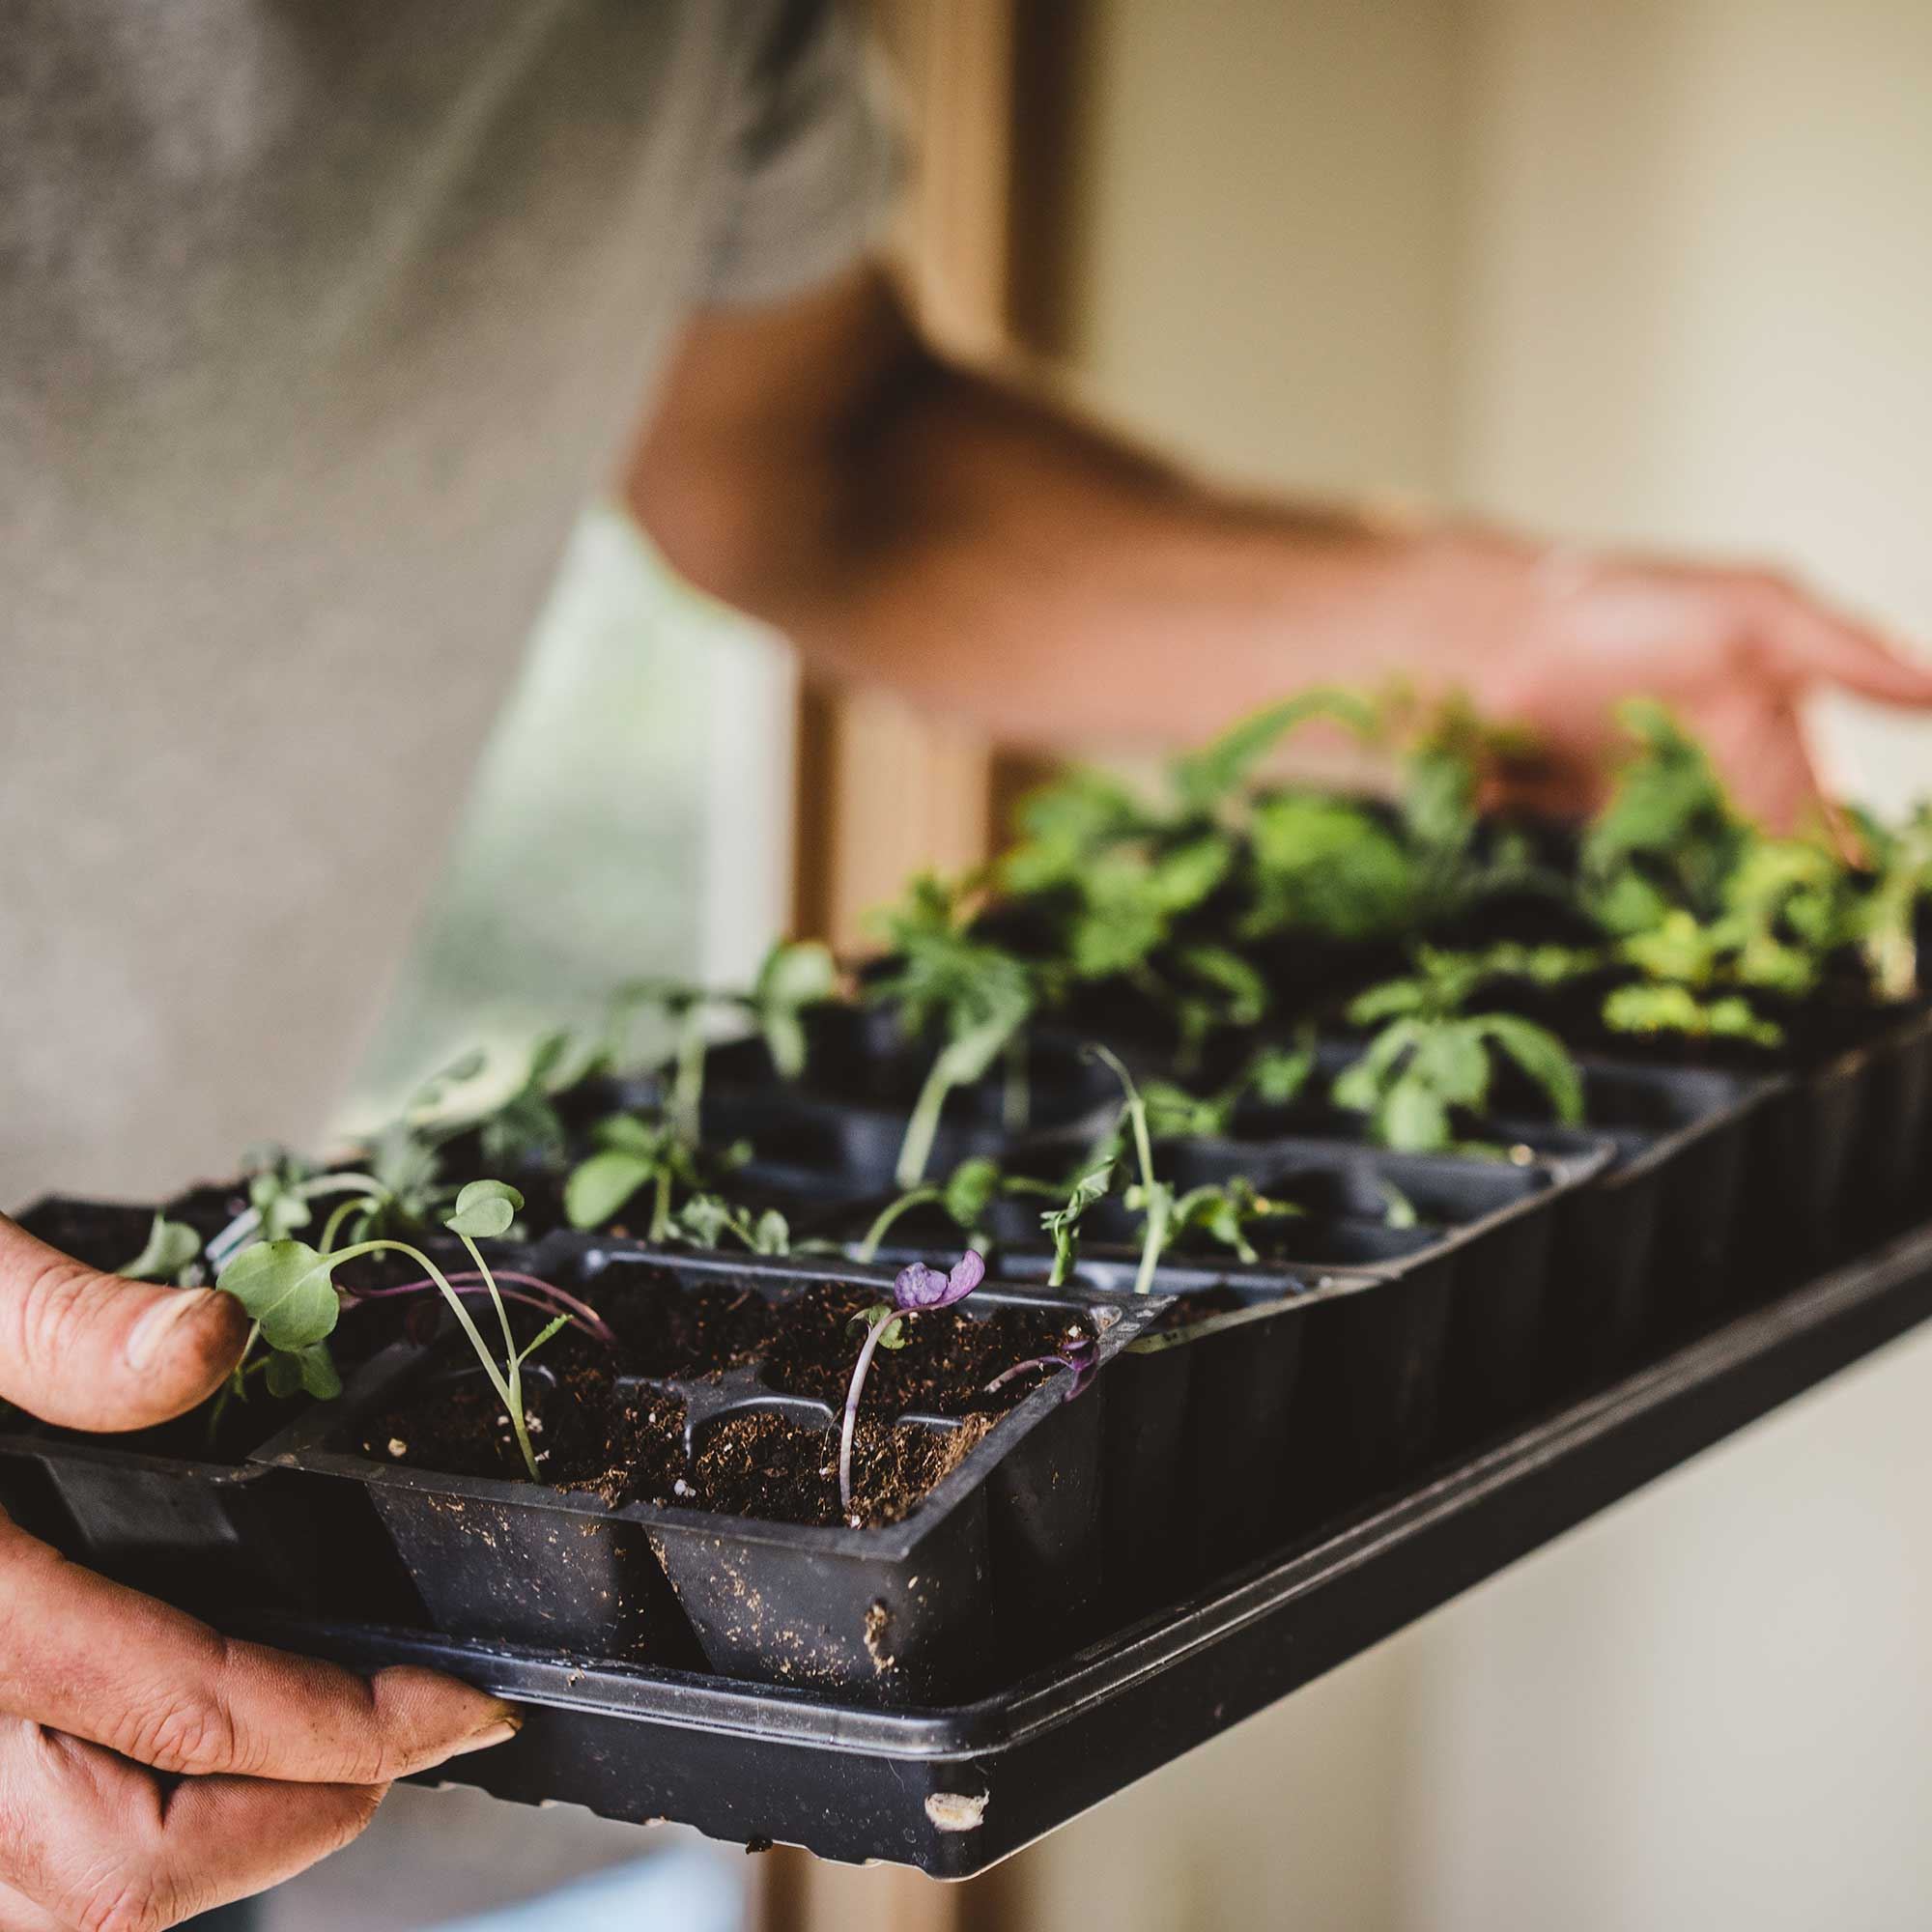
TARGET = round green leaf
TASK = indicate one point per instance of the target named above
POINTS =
(1414, 1118)
(598, 1187)
(484, 1209)
(1544, 1058)
(285, 1287)
(970, 1188)
(171, 1246)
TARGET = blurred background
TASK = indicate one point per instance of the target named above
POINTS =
(1654, 272)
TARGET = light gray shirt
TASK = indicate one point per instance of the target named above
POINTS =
(318, 322)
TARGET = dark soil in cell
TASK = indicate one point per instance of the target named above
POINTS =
(943, 1368)
(624, 1443)
(618, 1442)
(763, 1463)
(1197, 1306)
(661, 1329)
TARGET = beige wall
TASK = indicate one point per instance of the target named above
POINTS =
(1265, 283)
(1265, 265)
(1694, 302)
(1633, 270)
(1692, 310)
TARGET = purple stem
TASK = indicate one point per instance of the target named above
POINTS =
(551, 1298)
(1077, 1358)
(1006, 1375)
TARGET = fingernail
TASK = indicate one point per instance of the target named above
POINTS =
(150, 1335)
(497, 1731)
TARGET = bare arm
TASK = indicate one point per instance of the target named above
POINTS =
(909, 522)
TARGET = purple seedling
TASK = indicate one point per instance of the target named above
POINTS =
(915, 1289)
(1078, 1355)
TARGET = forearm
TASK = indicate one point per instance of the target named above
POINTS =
(1003, 562)
(981, 550)
(912, 523)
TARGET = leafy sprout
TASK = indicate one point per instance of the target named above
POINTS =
(1669, 835)
(1355, 871)
(169, 1254)
(282, 1196)
(966, 1197)
(794, 976)
(1203, 781)
(1662, 1007)
(1061, 1224)
(527, 1130)
(975, 995)
(1151, 1196)
(1067, 825)
(1430, 1060)
(630, 1153)
(1330, 866)
(1225, 1212)
(288, 1289)
(1884, 920)
(1273, 1075)
(706, 1219)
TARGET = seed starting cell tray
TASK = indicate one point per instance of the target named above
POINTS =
(954, 1790)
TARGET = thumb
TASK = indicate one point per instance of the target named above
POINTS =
(91, 1351)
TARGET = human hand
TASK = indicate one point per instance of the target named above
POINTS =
(1555, 638)
(150, 1768)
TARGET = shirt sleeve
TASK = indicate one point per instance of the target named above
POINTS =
(813, 164)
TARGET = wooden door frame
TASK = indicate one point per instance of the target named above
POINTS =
(884, 789)
(985, 92)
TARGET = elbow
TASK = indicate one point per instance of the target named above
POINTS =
(706, 534)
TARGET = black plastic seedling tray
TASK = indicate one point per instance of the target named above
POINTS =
(1649, 1249)
(164, 1511)
(953, 1790)
(1355, 1344)
(1001, 1559)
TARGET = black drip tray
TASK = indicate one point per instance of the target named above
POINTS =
(953, 1791)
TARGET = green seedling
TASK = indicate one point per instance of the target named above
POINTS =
(1274, 1076)
(1224, 1213)
(170, 1254)
(1061, 1224)
(1152, 1198)
(793, 976)
(966, 1196)
(706, 1219)
(1669, 835)
(1204, 783)
(975, 995)
(1885, 919)
(288, 1290)
(632, 1154)
(1431, 1060)
(1652, 1009)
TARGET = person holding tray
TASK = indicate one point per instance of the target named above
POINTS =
(316, 327)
